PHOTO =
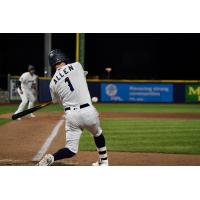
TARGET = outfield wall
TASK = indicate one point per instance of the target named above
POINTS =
(137, 91)
(150, 92)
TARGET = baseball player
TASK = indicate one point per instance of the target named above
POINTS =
(27, 89)
(69, 87)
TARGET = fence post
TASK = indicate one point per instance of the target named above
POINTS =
(8, 87)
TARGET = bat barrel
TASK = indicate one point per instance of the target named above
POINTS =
(26, 112)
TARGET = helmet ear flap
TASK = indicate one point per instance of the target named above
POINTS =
(57, 56)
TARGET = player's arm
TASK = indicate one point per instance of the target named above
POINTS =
(21, 80)
(34, 85)
(81, 68)
(53, 96)
(20, 87)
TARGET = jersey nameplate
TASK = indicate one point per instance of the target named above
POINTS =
(62, 73)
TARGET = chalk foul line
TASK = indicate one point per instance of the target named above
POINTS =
(48, 141)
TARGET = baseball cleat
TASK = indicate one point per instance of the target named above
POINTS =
(19, 118)
(101, 163)
(46, 161)
(32, 115)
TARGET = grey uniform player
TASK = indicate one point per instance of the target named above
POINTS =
(69, 87)
(27, 89)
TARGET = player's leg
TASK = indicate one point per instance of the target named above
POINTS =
(73, 134)
(49, 159)
(23, 102)
(99, 140)
(92, 124)
(31, 99)
(102, 150)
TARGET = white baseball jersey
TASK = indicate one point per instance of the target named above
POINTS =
(69, 86)
(28, 93)
(27, 81)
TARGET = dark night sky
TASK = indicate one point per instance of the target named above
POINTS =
(19, 50)
(132, 56)
(145, 56)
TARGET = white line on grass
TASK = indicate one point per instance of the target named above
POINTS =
(48, 141)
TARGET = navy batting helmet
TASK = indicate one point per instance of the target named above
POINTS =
(57, 56)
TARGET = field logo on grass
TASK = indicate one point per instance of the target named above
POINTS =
(111, 90)
(192, 93)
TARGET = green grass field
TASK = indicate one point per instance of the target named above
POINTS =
(142, 135)
(3, 121)
(120, 108)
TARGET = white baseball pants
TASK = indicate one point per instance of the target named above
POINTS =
(78, 119)
(26, 97)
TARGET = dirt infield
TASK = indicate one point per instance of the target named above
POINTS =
(21, 140)
(86, 158)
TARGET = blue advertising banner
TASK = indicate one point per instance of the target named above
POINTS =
(136, 92)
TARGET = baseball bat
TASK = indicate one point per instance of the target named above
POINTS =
(31, 110)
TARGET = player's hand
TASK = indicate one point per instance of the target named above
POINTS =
(33, 86)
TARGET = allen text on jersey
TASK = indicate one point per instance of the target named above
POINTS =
(62, 73)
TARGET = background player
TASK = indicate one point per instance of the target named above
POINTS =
(27, 89)
(69, 86)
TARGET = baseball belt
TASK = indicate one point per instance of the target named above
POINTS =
(81, 106)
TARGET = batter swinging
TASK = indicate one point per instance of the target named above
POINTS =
(69, 87)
